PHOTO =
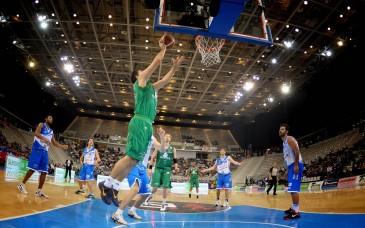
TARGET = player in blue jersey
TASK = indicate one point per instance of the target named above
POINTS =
(294, 164)
(139, 183)
(88, 160)
(38, 159)
(224, 181)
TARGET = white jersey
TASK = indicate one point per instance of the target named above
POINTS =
(45, 132)
(289, 154)
(223, 165)
(89, 156)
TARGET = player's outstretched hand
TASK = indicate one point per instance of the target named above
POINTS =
(161, 131)
(161, 43)
(177, 61)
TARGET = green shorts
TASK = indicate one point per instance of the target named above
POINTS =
(139, 137)
(194, 183)
(161, 177)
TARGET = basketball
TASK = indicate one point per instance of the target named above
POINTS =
(169, 41)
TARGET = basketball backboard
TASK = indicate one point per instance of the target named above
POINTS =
(238, 20)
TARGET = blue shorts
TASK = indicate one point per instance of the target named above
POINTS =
(294, 179)
(38, 160)
(86, 173)
(139, 173)
(224, 181)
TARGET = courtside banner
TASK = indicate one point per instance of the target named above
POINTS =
(182, 188)
(315, 186)
(304, 186)
(252, 188)
(360, 180)
(347, 182)
(15, 168)
(329, 184)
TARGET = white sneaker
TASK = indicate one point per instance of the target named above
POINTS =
(147, 201)
(41, 194)
(217, 203)
(21, 188)
(225, 204)
(133, 214)
(118, 218)
(163, 207)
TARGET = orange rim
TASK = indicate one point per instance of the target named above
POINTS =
(197, 38)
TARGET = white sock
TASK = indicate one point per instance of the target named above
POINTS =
(295, 207)
(164, 200)
(133, 208)
(116, 185)
(109, 181)
(119, 211)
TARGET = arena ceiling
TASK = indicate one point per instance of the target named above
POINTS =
(104, 50)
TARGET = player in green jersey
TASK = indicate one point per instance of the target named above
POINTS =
(162, 174)
(193, 177)
(140, 126)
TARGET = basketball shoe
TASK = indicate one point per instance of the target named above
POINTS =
(41, 194)
(147, 201)
(105, 193)
(293, 215)
(90, 196)
(118, 218)
(289, 211)
(79, 191)
(114, 197)
(217, 203)
(133, 214)
(21, 188)
(225, 204)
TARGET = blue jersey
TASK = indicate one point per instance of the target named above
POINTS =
(39, 144)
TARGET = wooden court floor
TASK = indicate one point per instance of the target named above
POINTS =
(14, 204)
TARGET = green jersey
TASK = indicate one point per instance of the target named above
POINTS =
(194, 173)
(165, 159)
(145, 100)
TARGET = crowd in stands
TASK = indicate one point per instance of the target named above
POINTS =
(338, 164)
(101, 137)
(13, 148)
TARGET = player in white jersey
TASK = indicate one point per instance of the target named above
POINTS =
(139, 183)
(38, 159)
(88, 160)
(224, 181)
(294, 163)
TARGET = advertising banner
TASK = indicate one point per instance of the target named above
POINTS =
(184, 188)
(329, 184)
(15, 168)
(315, 186)
(347, 182)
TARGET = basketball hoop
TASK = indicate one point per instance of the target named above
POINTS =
(209, 48)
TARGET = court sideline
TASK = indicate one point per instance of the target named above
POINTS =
(332, 208)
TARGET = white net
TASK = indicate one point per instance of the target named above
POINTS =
(209, 48)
